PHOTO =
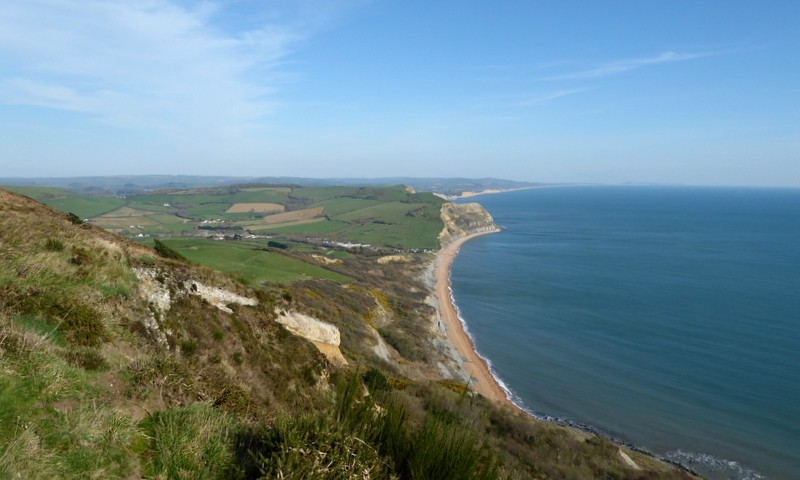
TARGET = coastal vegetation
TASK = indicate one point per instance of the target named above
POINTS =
(114, 363)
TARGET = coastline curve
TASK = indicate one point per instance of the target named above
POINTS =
(481, 378)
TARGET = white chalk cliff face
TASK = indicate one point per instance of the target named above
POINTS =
(159, 291)
(323, 335)
(154, 288)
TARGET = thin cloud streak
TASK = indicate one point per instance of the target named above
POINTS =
(539, 100)
(620, 66)
(150, 65)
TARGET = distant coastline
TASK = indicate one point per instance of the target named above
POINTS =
(492, 191)
(489, 191)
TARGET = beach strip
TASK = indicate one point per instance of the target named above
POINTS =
(481, 379)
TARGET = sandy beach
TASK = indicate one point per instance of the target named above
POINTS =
(481, 378)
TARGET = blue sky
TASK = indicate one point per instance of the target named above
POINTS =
(553, 91)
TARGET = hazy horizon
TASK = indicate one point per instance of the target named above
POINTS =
(568, 92)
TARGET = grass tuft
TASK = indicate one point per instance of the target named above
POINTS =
(54, 245)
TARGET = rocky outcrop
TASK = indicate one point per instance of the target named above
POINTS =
(217, 297)
(158, 290)
(323, 335)
(464, 219)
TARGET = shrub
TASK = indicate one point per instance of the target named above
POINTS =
(83, 326)
(376, 381)
(74, 218)
(166, 252)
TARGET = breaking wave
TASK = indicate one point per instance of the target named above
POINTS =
(711, 465)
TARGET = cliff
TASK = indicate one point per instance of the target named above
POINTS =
(464, 219)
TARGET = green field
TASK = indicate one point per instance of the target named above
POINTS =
(381, 216)
(246, 263)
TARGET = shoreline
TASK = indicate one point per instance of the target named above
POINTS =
(483, 380)
(480, 376)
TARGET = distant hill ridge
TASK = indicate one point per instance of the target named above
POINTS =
(130, 184)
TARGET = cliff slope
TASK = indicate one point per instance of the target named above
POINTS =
(463, 219)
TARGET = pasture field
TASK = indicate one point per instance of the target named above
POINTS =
(86, 207)
(322, 227)
(206, 211)
(246, 263)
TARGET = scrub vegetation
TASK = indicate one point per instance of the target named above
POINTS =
(98, 380)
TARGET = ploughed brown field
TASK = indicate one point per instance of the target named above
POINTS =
(255, 208)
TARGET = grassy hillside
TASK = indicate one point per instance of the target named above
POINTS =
(112, 366)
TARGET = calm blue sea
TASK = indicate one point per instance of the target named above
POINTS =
(665, 317)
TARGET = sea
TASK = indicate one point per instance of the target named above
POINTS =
(667, 318)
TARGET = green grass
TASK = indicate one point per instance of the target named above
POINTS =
(408, 225)
(338, 206)
(39, 193)
(79, 439)
(193, 439)
(149, 207)
(267, 195)
(392, 212)
(83, 206)
(246, 263)
(86, 207)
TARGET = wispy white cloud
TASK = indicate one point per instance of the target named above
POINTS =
(149, 64)
(620, 66)
(534, 100)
